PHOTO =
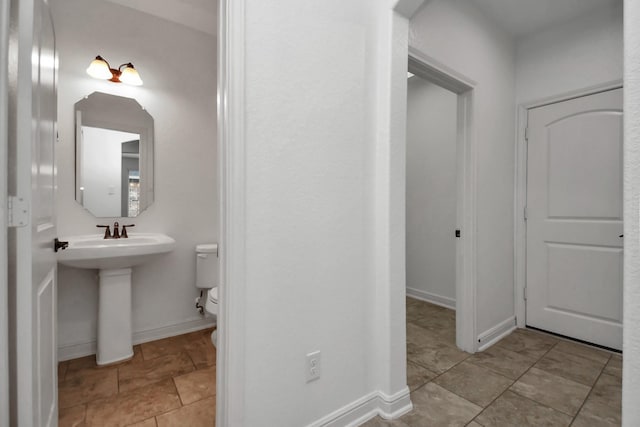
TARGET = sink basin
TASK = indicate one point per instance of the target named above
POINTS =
(93, 251)
(115, 259)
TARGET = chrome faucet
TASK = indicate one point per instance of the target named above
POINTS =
(116, 231)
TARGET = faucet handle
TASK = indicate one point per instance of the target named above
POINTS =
(124, 230)
(107, 231)
(116, 231)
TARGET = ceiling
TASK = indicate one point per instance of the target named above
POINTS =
(523, 17)
(201, 15)
(518, 17)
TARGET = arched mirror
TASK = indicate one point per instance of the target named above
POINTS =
(114, 155)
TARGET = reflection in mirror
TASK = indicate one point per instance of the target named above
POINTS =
(114, 156)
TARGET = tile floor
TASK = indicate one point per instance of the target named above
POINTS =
(167, 383)
(526, 379)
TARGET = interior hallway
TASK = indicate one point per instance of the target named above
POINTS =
(168, 383)
(526, 379)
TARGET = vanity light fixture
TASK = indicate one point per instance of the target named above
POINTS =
(125, 73)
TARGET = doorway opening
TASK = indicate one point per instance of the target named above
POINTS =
(441, 200)
(431, 199)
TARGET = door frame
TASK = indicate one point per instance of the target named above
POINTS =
(4, 283)
(520, 199)
(231, 188)
(431, 70)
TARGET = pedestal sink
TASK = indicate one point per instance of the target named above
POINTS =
(115, 259)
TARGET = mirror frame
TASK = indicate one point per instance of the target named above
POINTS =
(113, 112)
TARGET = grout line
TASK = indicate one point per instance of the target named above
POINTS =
(535, 361)
(511, 385)
(590, 392)
(514, 381)
(173, 379)
(118, 367)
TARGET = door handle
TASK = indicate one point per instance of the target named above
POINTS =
(58, 245)
(622, 235)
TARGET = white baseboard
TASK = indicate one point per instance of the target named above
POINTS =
(495, 334)
(367, 407)
(432, 298)
(73, 351)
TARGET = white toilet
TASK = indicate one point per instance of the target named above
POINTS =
(207, 278)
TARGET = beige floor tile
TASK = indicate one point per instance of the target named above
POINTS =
(614, 367)
(411, 301)
(473, 424)
(149, 422)
(511, 409)
(598, 413)
(608, 390)
(420, 337)
(422, 309)
(72, 417)
(156, 369)
(559, 393)
(413, 312)
(436, 356)
(134, 406)
(583, 350)
(442, 325)
(436, 406)
(85, 385)
(527, 343)
(163, 347)
(82, 363)
(201, 350)
(448, 336)
(570, 366)
(137, 357)
(379, 422)
(503, 362)
(436, 323)
(417, 375)
(199, 414)
(475, 383)
(62, 370)
(196, 385)
(202, 333)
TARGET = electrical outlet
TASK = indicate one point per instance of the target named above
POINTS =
(313, 366)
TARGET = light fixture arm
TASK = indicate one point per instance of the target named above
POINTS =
(128, 64)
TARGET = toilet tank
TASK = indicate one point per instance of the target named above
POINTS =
(207, 265)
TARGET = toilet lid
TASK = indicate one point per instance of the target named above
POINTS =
(213, 294)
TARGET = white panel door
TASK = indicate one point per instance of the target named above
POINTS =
(574, 209)
(32, 243)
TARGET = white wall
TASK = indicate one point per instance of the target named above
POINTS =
(581, 53)
(460, 37)
(308, 265)
(178, 67)
(101, 169)
(431, 191)
(631, 343)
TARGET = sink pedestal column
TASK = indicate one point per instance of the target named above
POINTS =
(114, 316)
